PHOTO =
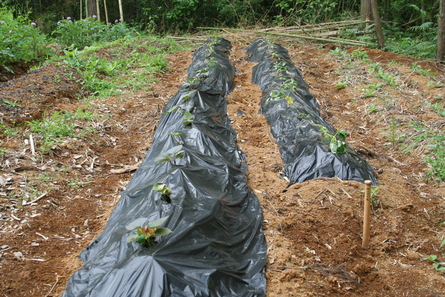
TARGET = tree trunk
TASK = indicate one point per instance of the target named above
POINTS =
(366, 11)
(98, 10)
(441, 33)
(378, 23)
(92, 9)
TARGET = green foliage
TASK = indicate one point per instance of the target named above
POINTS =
(8, 131)
(186, 111)
(110, 75)
(425, 72)
(77, 183)
(55, 127)
(435, 158)
(86, 32)
(438, 266)
(145, 235)
(276, 95)
(20, 40)
(393, 134)
(164, 190)
(337, 141)
(173, 154)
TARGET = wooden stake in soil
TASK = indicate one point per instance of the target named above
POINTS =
(366, 214)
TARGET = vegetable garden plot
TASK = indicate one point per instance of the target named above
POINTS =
(192, 180)
(309, 146)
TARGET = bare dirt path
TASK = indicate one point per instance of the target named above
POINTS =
(313, 229)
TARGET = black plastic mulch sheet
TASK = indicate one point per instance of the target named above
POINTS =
(295, 120)
(217, 246)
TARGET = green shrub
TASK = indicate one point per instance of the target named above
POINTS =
(82, 33)
(20, 40)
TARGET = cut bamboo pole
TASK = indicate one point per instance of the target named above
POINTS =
(31, 143)
(366, 214)
(339, 41)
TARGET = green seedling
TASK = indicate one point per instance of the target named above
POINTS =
(359, 54)
(393, 134)
(276, 95)
(163, 190)
(438, 266)
(372, 108)
(435, 84)
(177, 134)
(369, 93)
(289, 84)
(11, 103)
(187, 113)
(146, 235)
(173, 154)
(212, 62)
(425, 72)
(304, 115)
(341, 84)
(280, 66)
(337, 141)
(373, 193)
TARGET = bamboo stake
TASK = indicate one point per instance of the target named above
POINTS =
(121, 14)
(366, 214)
(31, 143)
(98, 10)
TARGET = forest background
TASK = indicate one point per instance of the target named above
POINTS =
(410, 27)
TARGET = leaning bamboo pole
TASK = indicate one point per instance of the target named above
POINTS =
(315, 27)
(121, 14)
(106, 11)
(336, 40)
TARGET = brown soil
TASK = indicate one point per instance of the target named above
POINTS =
(313, 229)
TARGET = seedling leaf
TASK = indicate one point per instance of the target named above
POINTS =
(161, 232)
(136, 223)
(157, 223)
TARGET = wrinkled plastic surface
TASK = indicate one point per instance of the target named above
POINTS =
(217, 246)
(295, 120)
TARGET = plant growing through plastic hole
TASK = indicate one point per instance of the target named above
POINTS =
(212, 62)
(337, 141)
(187, 113)
(173, 154)
(146, 235)
(201, 75)
(276, 95)
(280, 66)
(177, 134)
(289, 84)
(164, 190)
